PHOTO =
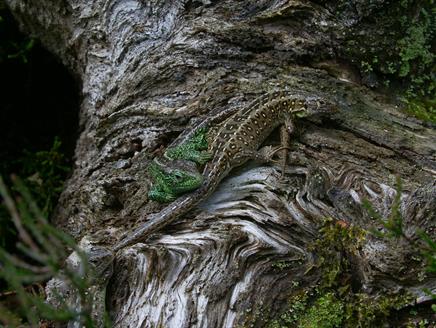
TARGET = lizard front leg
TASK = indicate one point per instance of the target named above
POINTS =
(266, 154)
(193, 149)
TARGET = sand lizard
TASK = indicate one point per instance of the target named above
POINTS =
(235, 142)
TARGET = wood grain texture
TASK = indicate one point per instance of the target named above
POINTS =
(149, 70)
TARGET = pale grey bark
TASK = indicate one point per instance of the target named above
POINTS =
(147, 69)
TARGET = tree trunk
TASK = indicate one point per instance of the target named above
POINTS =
(149, 70)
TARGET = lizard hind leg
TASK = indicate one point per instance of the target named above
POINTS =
(160, 195)
(199, 157)
(195, 149)
(186, 152)
(267, 153)
(202, 157)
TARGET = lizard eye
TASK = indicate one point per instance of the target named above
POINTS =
(178, 174)
(300, 114)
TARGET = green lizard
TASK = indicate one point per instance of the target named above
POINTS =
(236, 141)
(172, 180)
(176, 173)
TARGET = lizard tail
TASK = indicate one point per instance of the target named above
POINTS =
(163, 218)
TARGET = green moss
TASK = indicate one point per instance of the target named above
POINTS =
(332, 303)
(326, 312)
(393, 45)
(414, 47)
(282, 265)
(335, 241)
(363, 310)
(296, 309)
(328, 308)
(424, 110)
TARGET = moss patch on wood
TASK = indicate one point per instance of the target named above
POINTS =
(335, 301)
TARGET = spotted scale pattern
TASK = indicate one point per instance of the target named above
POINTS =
(245, 131)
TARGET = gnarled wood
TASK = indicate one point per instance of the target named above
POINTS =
(149, 69)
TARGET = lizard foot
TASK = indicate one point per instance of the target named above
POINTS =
(267, 153)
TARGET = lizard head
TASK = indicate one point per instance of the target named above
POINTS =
(173, 179)
(312, 105)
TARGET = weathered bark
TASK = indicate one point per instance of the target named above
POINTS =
(148, 68)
